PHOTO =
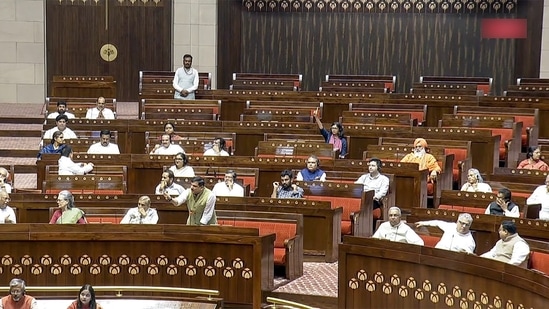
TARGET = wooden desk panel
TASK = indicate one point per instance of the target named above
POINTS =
(237, 262)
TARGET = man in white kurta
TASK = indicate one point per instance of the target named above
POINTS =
(166, 147)
(142, 214)
(104, 146)
(510, 248)
(396, 230)
(228, 187)
(185, 80)
(457, 236)
(61, 125)
(100, 111)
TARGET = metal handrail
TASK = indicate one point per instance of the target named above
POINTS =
(286, 304)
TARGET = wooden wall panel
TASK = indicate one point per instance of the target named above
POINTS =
(407, 45)
(141, 31)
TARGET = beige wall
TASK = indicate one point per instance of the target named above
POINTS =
(22, 47)
(21, 51)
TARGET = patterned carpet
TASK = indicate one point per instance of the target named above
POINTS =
(318, 279)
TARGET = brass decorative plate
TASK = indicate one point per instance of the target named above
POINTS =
(108, 52)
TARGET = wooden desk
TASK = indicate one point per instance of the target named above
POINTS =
(237, 262)
(382, 274)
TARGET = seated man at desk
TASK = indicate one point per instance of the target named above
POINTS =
(104, 146)
(312, 172)
(166, 147)
(167, 185)
(68, 167)
(503, 206)
(229, 187)
(510, 248)
(142, 214)
(17, 297)
(61, 125)
(541, 196)
(457, 236)
(218, 148)
(286, 189)
(4, 185)
(7, 215)
(395, 230)
(422, 156)
(100, 111)
(374, 180)
(61, 110)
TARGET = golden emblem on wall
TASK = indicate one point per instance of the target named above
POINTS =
(108, 52)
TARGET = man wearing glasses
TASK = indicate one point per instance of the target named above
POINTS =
(142, 214)
(17, 297)
(457, 236)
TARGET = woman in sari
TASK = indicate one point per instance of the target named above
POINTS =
(66, 213)
(55, 146)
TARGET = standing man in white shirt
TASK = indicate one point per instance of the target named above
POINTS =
(457, 236)
(396, 230)
(166, 147)
(100, 111)
(142, 214)
(185, 80)
(228, 187)
(104, 146)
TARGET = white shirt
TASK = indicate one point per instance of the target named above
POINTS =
(189, 82)
(97, 148)
(173, 149)
(68, 167)
(93, 113)
(221, 189)
(521, 251)
(174, 189)
(208, 210)
(67, 133)
(7, 213)
(134, 217)
(185, 171)
(451, 239)
(55, 114)
(6, 187)
(379, 184)
(399, 233)
(478, 187)
(514, 212)
(540, 196)
(211, 152)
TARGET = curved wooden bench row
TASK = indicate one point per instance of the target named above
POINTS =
(237, 261)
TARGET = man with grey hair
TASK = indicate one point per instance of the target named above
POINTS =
(17, 297)
(457, 236)
(4, 185)
(395, 230)
(7, 215)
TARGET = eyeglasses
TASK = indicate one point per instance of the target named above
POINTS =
(178, 159)
(141, 204)
(335, 128)
(463, 223)
(311, 162)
